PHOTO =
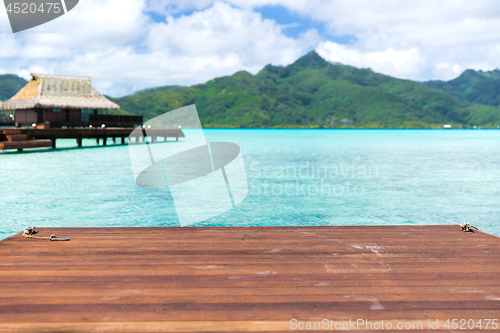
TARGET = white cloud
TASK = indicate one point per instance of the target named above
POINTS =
(431, 35)
(133, 51)
(415, 39)
(123, 49)
(24, 73)
(402, 63)
(238, 37)
(444, 69)
(220, 40)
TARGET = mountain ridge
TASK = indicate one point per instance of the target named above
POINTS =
(314, 93)
(10, 84)
(482, 87)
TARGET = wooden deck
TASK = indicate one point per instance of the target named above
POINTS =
(12, 139)
(246, 279)
(37, 137)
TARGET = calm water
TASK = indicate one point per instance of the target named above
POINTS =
(296, 177)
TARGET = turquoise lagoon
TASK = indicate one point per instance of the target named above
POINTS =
(295, 177)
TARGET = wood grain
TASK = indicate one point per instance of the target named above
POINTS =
(245, 279)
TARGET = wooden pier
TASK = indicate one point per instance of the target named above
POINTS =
(22, 138)
(13, 139)
(247, 279)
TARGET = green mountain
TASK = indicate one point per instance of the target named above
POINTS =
(313, 93)
(10, 85)
(474, 86)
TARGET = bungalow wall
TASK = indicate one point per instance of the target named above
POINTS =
(60, 116)
(26, 117)
(57, 116)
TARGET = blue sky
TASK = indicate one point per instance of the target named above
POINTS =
(127, 45)
(295, 24)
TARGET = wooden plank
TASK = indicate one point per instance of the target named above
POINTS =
(4, 145)
(199, 326)
(17, 137)
(245, 279)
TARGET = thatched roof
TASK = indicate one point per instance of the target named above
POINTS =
(55, 91)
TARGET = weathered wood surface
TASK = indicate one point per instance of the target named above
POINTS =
(4, 145)
(242, 279)
(11, 139)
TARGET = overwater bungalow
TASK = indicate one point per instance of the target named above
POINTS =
(64, 101)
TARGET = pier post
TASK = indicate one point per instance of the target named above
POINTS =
(97, 140)
(114, 140)
(54, 142)
(123, 140)
(176, 138)
(79, 142)
(104, 141)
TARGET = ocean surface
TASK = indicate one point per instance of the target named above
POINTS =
(295, 177)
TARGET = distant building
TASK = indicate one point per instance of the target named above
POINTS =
(68, 101)
(447, 126)
(346, 121)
